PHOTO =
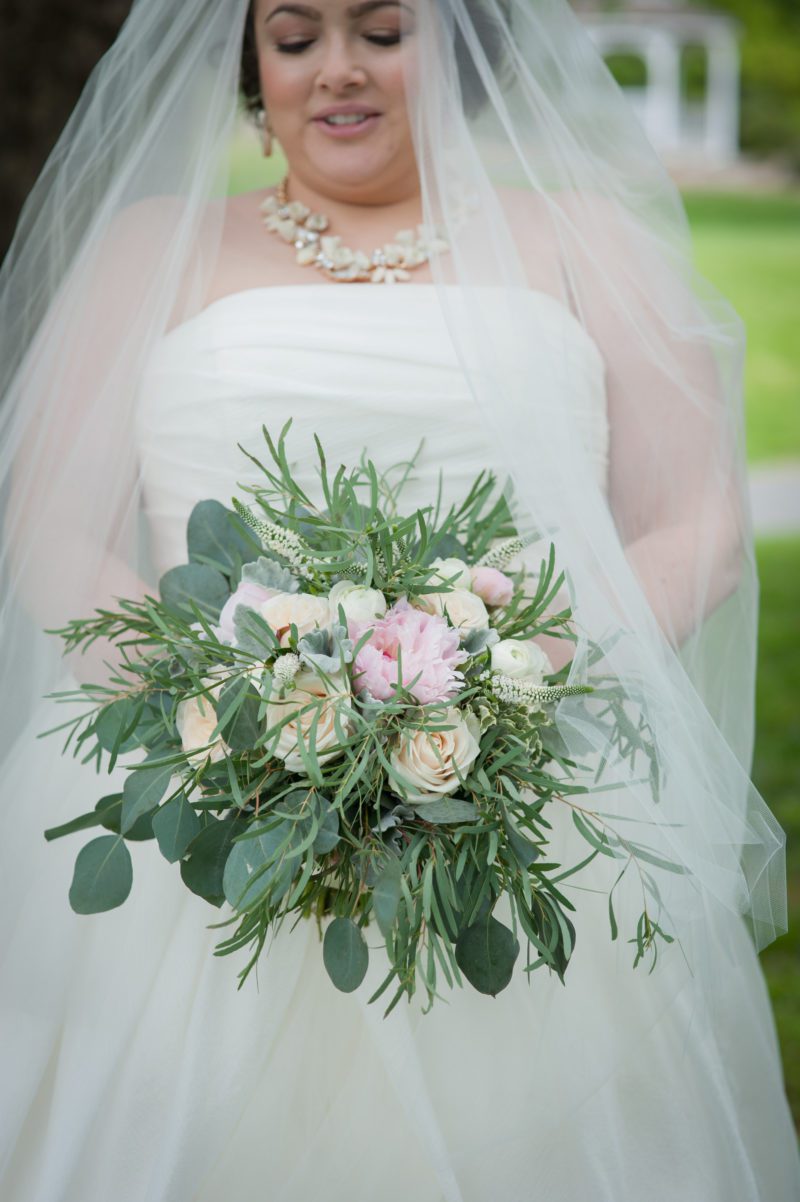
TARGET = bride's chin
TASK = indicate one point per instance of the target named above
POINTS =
(353, 181)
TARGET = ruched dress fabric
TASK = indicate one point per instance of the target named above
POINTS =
(132, 1067)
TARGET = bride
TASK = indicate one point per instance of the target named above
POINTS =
(508, 285)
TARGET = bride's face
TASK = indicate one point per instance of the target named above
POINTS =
(315, 55)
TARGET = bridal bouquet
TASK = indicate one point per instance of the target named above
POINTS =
(344, 715)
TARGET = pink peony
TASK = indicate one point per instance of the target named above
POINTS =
(247, 593)
(428, 647)
(492, 586)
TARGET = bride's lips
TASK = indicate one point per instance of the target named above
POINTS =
(347, 131)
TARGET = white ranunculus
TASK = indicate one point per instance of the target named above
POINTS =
(308, 686)
(521, 660)
(427, 762)
(195, 719)
(446, 569)
(306, 611)
(360, 604)
(465, 609)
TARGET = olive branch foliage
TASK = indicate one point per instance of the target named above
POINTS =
(337, 843)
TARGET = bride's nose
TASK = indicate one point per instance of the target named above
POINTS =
(340, 66)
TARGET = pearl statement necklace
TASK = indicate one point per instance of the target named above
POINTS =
(294, 222)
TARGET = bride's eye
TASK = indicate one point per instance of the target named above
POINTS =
(378, 39)
(291, 47)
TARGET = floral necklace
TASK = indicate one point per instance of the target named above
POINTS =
(294, 222)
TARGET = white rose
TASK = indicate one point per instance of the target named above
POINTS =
(521, 660)
(195, 719)
(427, 762)
(446, 569)
(308, 686)
(360, 604)
(304, 610)
(465, 609)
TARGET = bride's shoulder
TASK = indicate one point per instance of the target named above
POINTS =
(151, 218)
(537, 218)
(216, 236)
(559, 232)
(530, 221)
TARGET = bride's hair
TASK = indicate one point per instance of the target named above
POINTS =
(473, 93)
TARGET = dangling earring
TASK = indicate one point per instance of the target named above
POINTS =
(266, 133)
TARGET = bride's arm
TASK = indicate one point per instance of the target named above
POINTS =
(676, 486)
(677, 490)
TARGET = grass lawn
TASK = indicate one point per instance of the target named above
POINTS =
(776, 772)
(748, 246)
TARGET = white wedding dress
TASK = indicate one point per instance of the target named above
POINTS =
(132, 1068)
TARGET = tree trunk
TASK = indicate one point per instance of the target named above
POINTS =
(49, 49)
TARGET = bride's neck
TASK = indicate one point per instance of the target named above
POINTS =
(363, 215)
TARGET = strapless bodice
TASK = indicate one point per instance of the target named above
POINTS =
(365, 366)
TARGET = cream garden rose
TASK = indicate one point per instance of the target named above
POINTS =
(427, 763)
(446, 569)
(308, 686)
(521, 659)
(464, 608)
(359, 603)
(306, 611)
(195, 719)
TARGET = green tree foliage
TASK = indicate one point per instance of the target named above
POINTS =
(770, 44)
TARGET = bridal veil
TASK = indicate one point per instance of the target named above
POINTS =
(511, 105)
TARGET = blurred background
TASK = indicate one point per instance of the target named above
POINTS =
(716, 85)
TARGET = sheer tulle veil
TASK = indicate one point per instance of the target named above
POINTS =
(510, 106)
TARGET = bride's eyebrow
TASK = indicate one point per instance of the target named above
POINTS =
(355, 10)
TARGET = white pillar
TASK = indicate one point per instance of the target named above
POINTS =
(663, 108)
(722, 97)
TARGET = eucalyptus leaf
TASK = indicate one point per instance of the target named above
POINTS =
(357, 516)
(216, 533)
(196, 582)
(142, 790)
(386, 894)
(109, 814)
(370, 864)
(328, 833)
(175, 825)
(445, 546)
(102, 877)
(208, 852)
(155, 729)
(270, 851)
(447, 809)
(345, 954)
(242, 728)
(111, 723)
(486, 953)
